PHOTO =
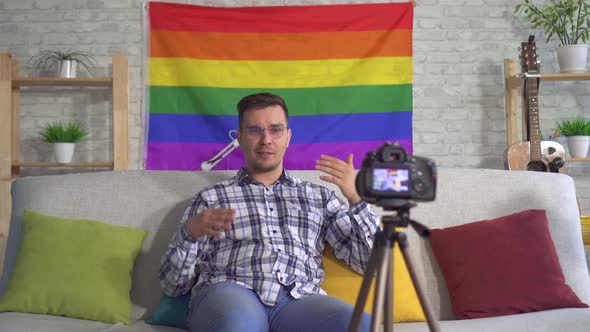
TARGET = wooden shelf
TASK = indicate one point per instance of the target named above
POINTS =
(57, 81)
(11, 83)
(108, 164)
(573, 160)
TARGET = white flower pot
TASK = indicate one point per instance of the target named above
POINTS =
(578, 146)
(63, 152)
(67, 69)
(572, 58)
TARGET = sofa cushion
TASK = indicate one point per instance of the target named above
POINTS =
(343, 283)
(502, 266)
(25, 322)
(12, 245)
(74, 268)
(151, 200)
(171, 311)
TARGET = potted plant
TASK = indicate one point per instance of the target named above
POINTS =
(66, 61)
(63, 137)
(577, 133)
(568, 22)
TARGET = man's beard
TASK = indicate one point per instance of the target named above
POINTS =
(264, 168)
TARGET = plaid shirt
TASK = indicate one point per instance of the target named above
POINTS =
(277, 239)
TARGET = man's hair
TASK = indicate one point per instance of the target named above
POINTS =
(260, 100)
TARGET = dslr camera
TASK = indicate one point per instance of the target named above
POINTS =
(389, 174)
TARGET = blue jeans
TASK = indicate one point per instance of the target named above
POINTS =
(232, 308)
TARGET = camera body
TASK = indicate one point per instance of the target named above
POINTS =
(390, 174)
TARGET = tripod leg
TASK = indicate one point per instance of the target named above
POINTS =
(375, 259)
(381, 289)
(388, 306)
(432, 323)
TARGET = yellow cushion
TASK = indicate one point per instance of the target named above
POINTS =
(343, 283)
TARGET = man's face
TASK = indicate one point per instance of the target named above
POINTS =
(264, 138)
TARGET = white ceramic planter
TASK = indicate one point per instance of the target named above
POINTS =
(63, 152)
(67, 69)
(572, 58)
(578, 146)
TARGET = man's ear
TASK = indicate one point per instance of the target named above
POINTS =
(239, 135)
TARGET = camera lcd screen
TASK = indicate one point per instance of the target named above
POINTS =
(391, 180)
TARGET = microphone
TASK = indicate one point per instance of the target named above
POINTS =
(209, 164)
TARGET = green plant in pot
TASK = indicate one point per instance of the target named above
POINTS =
(568, 22)
(66, 62)
(577, 133)
(63, 137)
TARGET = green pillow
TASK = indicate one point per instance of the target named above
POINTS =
(74, 268)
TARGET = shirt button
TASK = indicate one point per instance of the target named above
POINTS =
(281, 278)
(272, 209)
(274, 231)
(279, 250)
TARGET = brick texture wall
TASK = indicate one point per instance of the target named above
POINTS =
(459, 48)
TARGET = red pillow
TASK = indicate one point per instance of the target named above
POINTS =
(502, 266)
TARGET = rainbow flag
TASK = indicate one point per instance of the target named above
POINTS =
(345, 72)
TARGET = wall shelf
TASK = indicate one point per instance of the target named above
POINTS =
(574, 160)
(73, 164)
(54, 81)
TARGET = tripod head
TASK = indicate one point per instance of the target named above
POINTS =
(400, 217)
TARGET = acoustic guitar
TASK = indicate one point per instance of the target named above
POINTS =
(534, 155)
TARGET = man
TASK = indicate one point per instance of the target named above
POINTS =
(250, 248)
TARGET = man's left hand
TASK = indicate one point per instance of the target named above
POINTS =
(341, 173)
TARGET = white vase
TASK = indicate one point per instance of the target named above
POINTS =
(63, 152)
(67, 69)
(572, 58)
(578, 146)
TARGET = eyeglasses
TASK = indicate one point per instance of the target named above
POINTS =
(257, 132)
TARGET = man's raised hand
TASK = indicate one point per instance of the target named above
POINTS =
(210, 222)
(341, 173)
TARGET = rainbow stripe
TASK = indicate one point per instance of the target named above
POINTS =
(345, 72)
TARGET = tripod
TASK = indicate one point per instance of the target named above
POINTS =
(381, 263)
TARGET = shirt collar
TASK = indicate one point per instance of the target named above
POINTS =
(243, 178)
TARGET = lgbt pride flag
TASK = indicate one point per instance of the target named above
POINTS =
(345, 72)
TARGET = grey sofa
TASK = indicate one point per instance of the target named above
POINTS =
(155, 200)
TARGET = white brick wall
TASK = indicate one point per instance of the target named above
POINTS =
(459, 48)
